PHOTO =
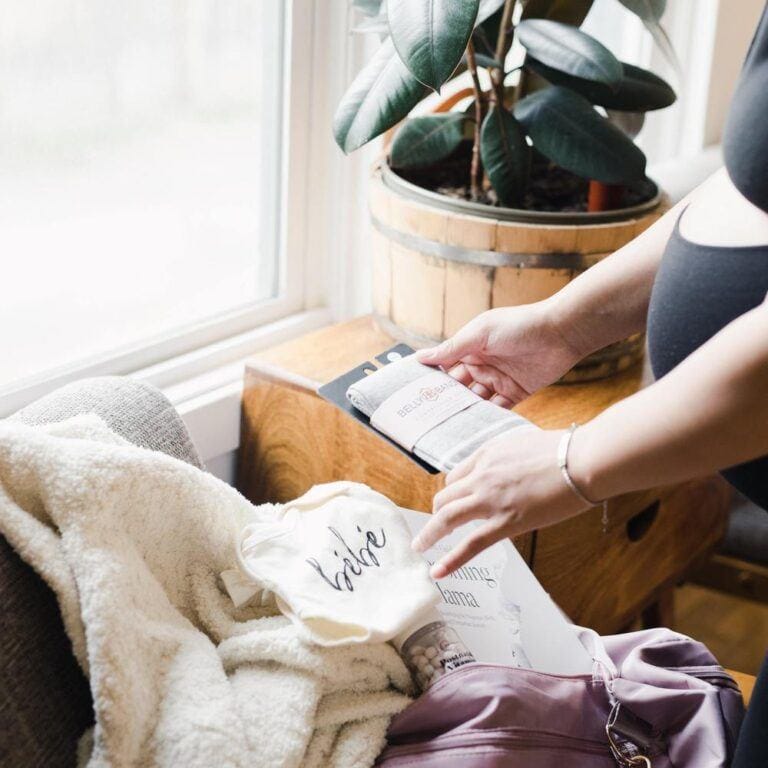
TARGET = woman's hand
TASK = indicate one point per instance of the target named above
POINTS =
(513, 482)
(508, 353)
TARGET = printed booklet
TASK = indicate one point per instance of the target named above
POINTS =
(493, 610)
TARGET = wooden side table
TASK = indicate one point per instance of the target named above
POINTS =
(293, 439)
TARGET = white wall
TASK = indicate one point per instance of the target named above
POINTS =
(736, 23)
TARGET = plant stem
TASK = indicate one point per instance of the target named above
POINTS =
(604, 197)
(502, 46)
(474, 172)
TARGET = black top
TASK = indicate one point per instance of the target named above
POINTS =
(745, 142)
(698, 290)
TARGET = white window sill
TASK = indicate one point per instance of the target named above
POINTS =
(206, 386)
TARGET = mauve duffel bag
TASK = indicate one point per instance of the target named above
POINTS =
(655, 698)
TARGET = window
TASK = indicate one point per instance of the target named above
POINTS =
(140, 167)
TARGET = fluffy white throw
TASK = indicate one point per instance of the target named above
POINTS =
(133, 542)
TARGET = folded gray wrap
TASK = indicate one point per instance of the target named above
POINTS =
(449, 443)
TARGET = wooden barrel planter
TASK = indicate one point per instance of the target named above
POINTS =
(439, 262)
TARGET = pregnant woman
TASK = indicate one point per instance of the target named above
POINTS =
(698, 281)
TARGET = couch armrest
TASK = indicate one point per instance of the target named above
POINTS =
(134, 410)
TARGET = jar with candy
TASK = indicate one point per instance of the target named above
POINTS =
(433, 650)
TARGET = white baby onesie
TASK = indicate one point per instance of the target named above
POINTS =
(340, 563)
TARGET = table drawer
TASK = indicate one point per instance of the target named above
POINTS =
(604, 579)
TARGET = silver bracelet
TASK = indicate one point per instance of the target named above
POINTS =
(562, 462)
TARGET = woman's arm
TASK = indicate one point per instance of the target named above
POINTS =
(708, 413)
(609, 301)
(508, 353)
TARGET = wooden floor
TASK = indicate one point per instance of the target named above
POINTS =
(733, 628)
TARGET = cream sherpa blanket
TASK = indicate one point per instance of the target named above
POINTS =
(133, 542)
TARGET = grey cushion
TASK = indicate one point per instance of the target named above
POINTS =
(136, 411)
(45, 702)
(747, 535)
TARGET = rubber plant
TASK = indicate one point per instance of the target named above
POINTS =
(547, 102)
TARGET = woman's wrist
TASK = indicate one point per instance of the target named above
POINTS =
(570, 318)
(590, 466)
(563, 324)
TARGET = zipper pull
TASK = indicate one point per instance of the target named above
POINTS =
(625, 752)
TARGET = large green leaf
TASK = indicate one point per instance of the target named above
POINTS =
(505, 154)
(568, 11)
(638, 90)
(564, 127)
(425, 140)
(650, 12)
(430, 35)
(382, 94)
(569, 50)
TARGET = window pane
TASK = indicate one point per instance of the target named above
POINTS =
(139, 161)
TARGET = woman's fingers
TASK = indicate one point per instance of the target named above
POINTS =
(461, 470)
(481, 538)
(450, 517)
(497, 382)
(450, 352)
(461, 374)
(451, 492)
(460, 356)
(481, 390)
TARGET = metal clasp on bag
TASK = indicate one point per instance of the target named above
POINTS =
(624, 751)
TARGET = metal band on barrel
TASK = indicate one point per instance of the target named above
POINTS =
(570, 260)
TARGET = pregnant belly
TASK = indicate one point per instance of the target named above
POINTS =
(714, 269)
(698, 290)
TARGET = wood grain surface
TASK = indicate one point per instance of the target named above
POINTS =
(745, 682)
(293, 439)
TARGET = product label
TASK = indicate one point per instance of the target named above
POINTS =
(408, 414)
(432, 651)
